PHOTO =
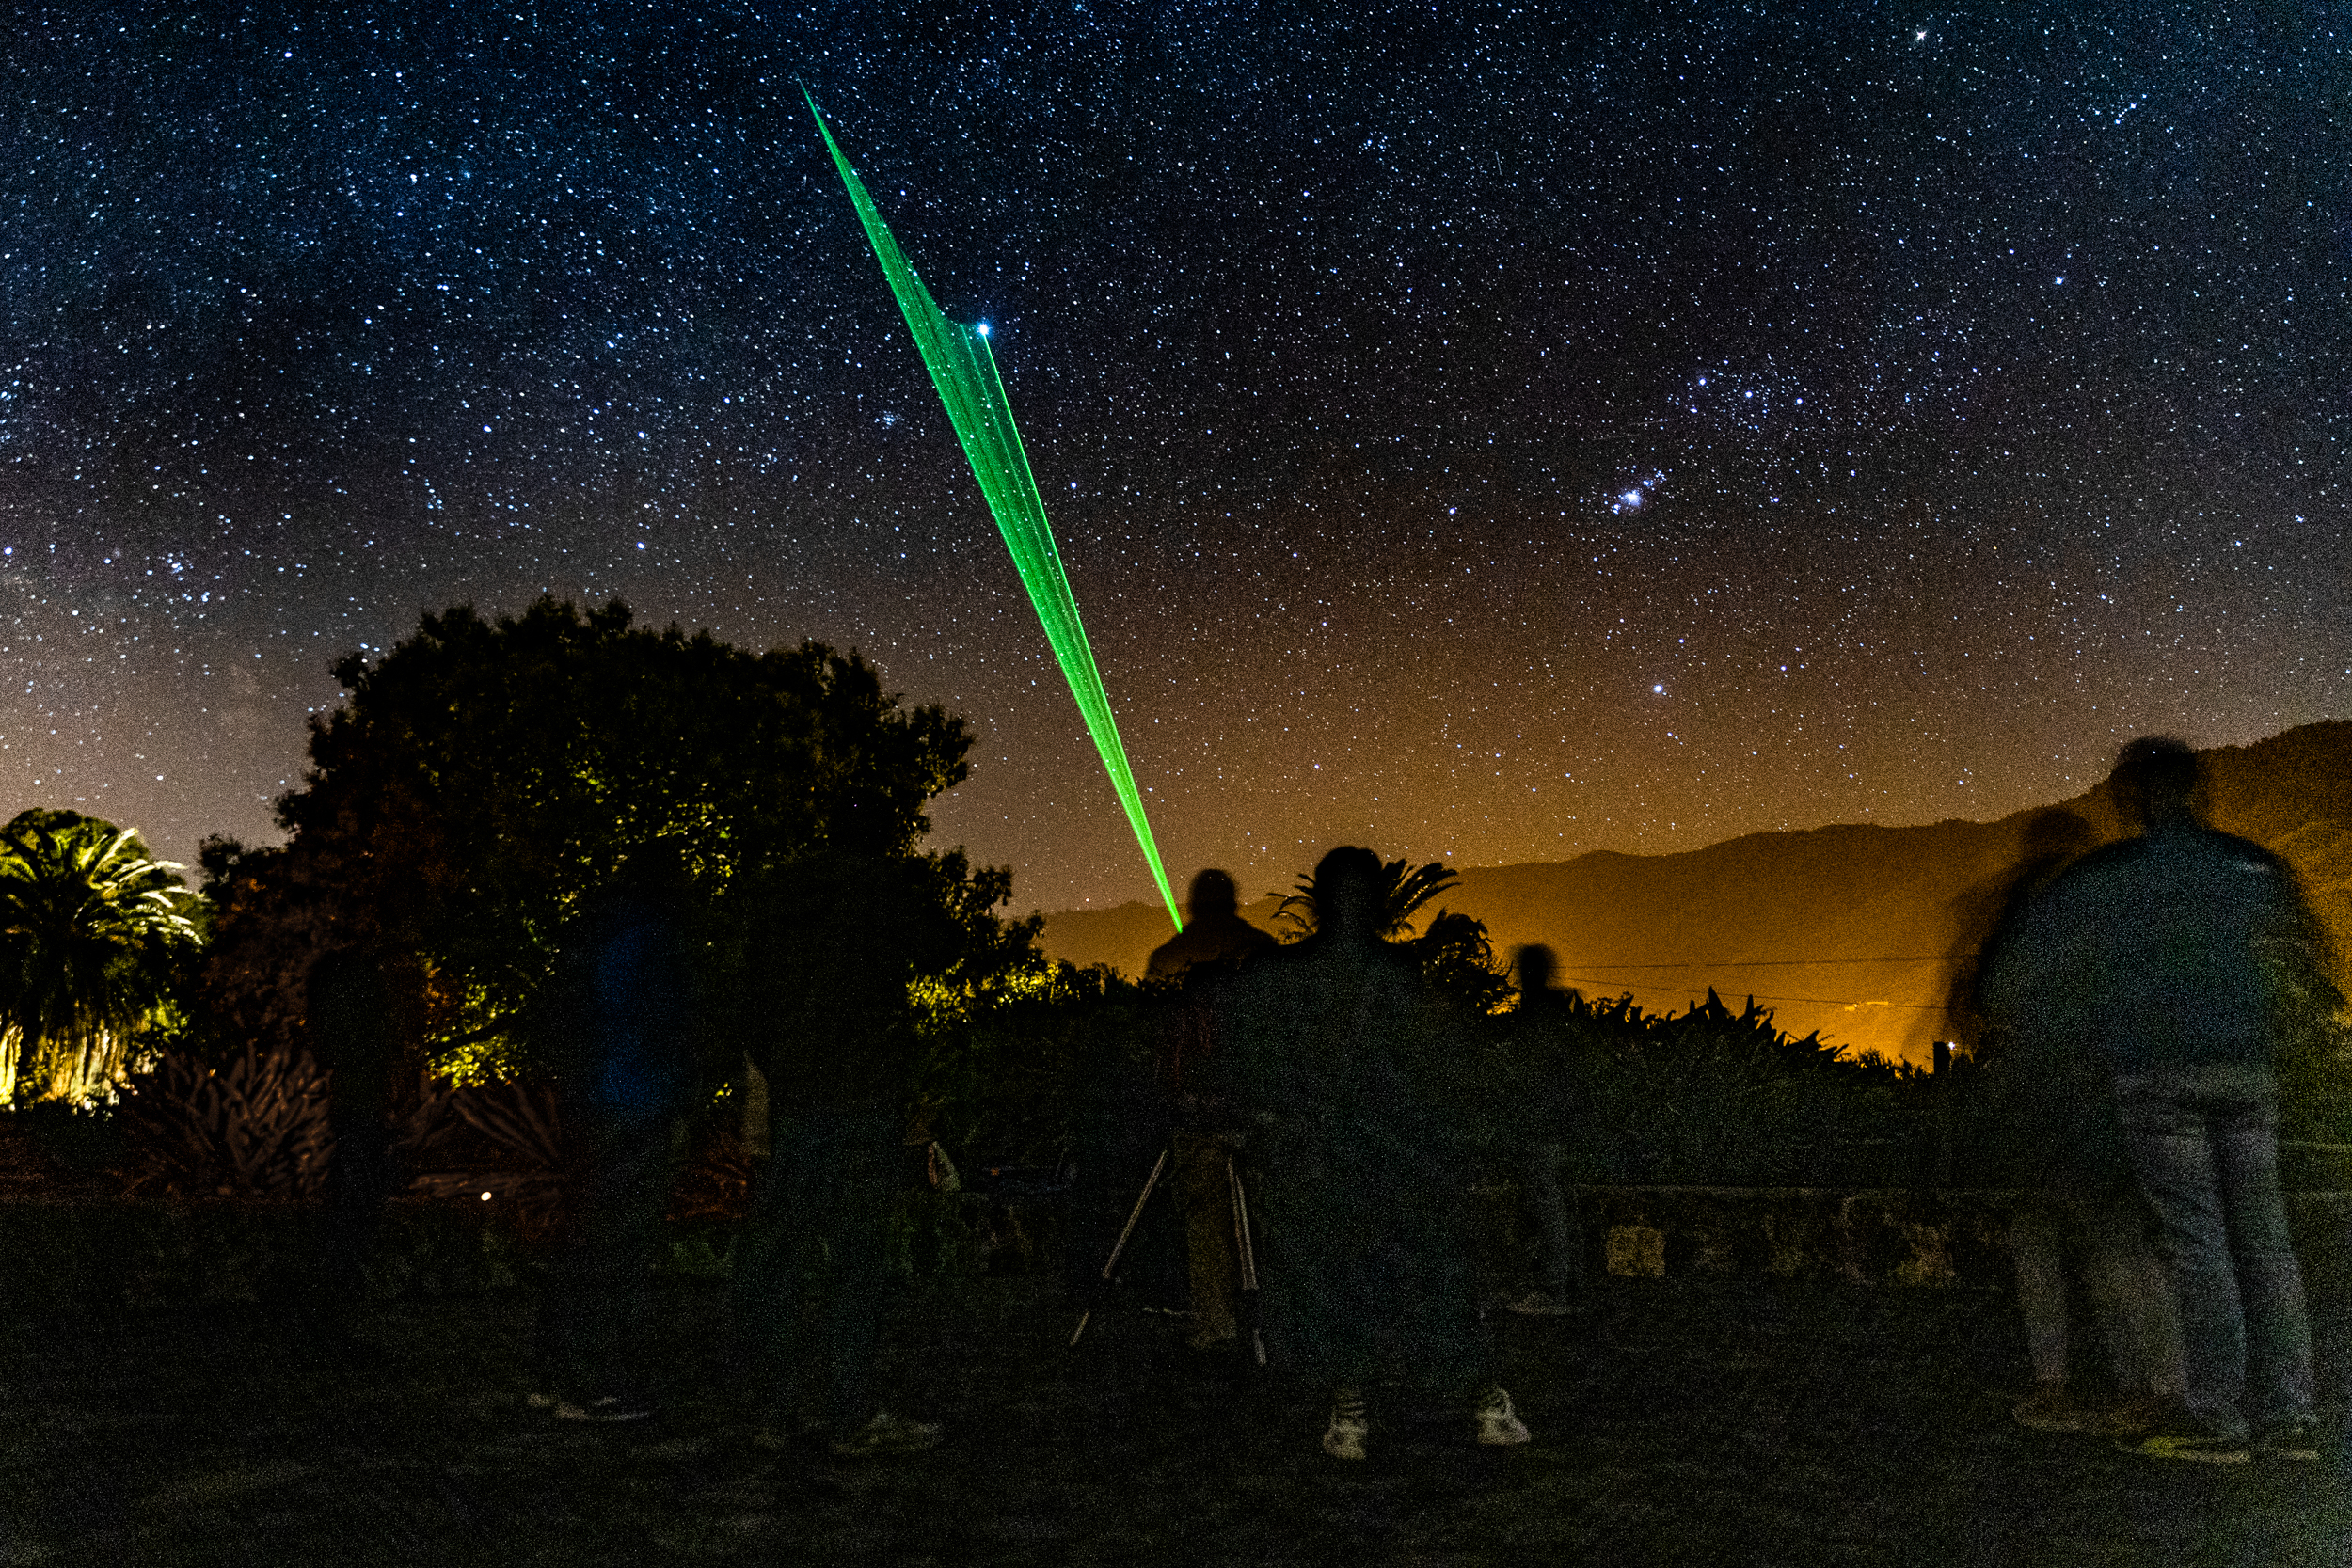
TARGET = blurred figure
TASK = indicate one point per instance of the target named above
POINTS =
(2177, 954)
(623, 1009)
(1215, 940)
(835, 950)
(349, 1016)
(1362, 1260)
(1547, 1101)
(1214, 932)
(2057, 1106)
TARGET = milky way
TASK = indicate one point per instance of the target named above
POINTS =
(1481, 435)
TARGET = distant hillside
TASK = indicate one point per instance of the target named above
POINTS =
(1852, 929)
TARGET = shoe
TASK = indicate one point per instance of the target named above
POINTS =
(608, 1408)
(1344, 1438)
(1538, 1303)
(1499, 1425)
(2051, 1408)
(2135, 1417)
(887, 1434)
(2195, 1446)
(2297, 1439)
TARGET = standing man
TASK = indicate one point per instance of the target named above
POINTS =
(842, 936)
(1215, 938)
(1329, 1046)
(350, 1020)
(623, 1013)
(1551, 1098)
(2055, 1103)
(2178, 953)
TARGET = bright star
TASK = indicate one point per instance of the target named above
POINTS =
(1658, 689)
(1632, 497)
(983, 329)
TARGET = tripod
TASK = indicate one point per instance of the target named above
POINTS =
(1245, 1254)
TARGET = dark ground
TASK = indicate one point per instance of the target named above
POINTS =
(1745, 1422)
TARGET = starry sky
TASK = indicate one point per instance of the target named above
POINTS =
(1486, 433)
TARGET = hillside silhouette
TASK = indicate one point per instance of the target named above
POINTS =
(1852, 929)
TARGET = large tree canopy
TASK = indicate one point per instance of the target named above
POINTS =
(484, 776)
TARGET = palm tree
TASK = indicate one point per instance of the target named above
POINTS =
(88, 925)
(1404, 891)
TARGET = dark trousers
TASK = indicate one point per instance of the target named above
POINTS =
(594, 1310)
(1540, 1165)
(811, 1268)
(1364, 1271)
(2203, 1140)
(361, 1174)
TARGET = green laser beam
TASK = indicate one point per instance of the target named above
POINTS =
(964, 372)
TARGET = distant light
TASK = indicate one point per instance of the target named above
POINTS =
(1632, 497)
(1658, 689)
(485, 1197)
(2060, 280)
(982, 329)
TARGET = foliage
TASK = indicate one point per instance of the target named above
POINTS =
(255, 1127)
(1016, 1078)
(482, 778)
(91, 930)
(1710, 1097)
(1457, 961)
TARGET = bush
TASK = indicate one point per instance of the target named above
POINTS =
(255, 1127)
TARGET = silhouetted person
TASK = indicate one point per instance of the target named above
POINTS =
(625, 1019)
(2056, 1105)
(1362, 1264)
(349, 1017)
(843, 933)
(2177, 954)
(1548, 1096)
(1215, 939)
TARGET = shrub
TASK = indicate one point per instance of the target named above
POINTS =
(253, 1127)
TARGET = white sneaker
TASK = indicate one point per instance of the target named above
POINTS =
(1499, 1426)
(1344, 1438)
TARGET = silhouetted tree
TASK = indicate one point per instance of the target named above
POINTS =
(485, 776)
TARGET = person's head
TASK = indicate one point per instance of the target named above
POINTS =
(656, 872)
(1212, 894)
(1347, 894)
(1538, 965)
(2154, 780)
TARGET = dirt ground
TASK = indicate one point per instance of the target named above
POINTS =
(1751, 1421)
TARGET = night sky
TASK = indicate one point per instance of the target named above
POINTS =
(1483, 433)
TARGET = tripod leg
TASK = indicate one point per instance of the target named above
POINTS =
(1247, 1256)
(1158, 1167)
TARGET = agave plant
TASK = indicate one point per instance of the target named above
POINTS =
(256, 1128)
(88, 924)
(519, 1123)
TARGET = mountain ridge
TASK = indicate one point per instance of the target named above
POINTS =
(1857, 929)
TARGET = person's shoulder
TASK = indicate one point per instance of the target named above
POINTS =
(2243, 852)
(1242, 934)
